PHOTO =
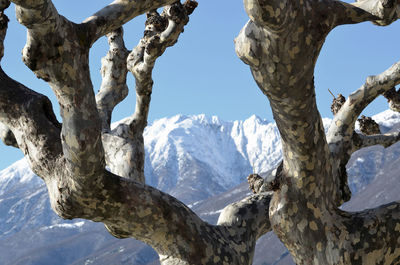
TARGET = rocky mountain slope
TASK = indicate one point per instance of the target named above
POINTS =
(200, 160)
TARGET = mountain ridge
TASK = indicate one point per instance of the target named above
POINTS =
(188, 157)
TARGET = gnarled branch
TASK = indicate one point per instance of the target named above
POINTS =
(249, 217)
(387, 11)
(341, 131)
(314, 180)
(361, 141)
(27, 120)
(57, 51)
(117, 14)
(113, 70)
(393, 97)
(124, 145)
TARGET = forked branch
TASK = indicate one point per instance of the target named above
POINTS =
(124, 146)
(117, 14)
(113, 70)
(341, 131)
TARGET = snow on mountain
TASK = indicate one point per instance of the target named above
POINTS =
(387, 119)
(191, 157)
(207, 155)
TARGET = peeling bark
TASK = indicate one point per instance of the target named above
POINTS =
(368, 126)
(71, 157)
(393, 97)
(337, 103)
(281, 44)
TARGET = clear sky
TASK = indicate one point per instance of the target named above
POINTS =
(201, 73)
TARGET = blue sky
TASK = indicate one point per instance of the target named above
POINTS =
(201, 73)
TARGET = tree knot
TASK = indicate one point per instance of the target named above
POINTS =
(337, 103)
(271, 183)
(393, 98)
(368, 126)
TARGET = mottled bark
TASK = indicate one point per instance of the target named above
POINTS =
(71, 157)
(393, 97)
(113, 88)
(368, 126)
(124, 144)
(281, 44)
(337, 103)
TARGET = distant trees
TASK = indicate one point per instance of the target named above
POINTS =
(281, 44)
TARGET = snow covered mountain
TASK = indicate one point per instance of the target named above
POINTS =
(192, 157)
(195, 157)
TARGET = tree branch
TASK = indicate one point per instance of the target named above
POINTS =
(341, 131)
(117, 14)
(131, 209)
(387, 11)
(78, 184)
(341, 138)
(393, 97)
(40, 16)
(27, 120)
(162, 31)
(124, 147)
(314, 180)
(29, 123)
(375, 11)
(57, 51)
(361, 141)
(250, 216)
(368, 237)
(113, 87)
(282, 64)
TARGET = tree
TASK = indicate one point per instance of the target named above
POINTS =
(281, 44)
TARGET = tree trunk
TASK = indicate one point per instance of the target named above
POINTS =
(95, 172)
(281, 43)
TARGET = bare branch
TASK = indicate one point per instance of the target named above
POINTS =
(124, 146)
(117, 14)
(366, 227)
(368, 126)
(162, 31)
(124, 155)
(386, 10)
(113, 87)
(3, 25)
(40, 16)
(361, 141)
(337, 103)
(249, 216)
(393, 97)
(27, 120)
(343, 125)
(340, 136)
(131, 209)
(380, 12)
(271, 182)
(57, 51)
